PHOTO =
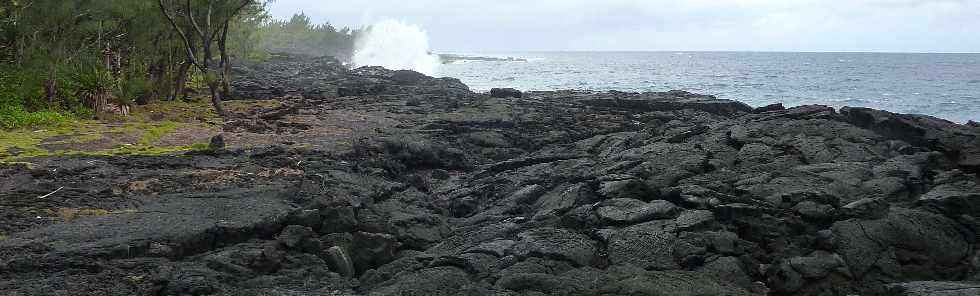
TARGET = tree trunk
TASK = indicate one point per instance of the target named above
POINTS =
(225, 62)
(181, 81)
(51, 85)
(216, 98)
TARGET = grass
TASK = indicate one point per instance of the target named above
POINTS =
(144, 127)
(14, 117)
(29, 140)
(69, 214)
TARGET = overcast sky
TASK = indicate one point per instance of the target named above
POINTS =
(681, 25)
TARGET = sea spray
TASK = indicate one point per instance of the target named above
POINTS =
(395, 45)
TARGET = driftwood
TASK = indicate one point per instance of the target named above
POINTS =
(52, 193)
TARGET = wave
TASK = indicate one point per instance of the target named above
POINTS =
(396, 45)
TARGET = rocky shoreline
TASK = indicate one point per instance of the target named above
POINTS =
(386, 182)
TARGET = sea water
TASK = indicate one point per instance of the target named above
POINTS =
(942, 85)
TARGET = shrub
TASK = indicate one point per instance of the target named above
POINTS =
(14, 116)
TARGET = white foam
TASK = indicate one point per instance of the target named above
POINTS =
(396, 45)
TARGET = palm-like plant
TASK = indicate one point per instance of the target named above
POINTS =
(93, 85)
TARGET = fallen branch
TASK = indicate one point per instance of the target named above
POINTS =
(50, 194)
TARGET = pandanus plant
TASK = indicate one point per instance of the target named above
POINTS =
(93, 85)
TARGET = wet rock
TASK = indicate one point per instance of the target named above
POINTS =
(556, 243)
(632, 211)
(505, 93)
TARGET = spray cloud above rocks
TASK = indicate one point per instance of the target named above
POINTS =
(397, 45)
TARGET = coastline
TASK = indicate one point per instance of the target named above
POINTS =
(378, 182)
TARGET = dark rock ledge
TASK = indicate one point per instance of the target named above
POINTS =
(412, 185)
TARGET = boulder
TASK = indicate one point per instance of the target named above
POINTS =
(670, 101)
(728, 269)
(958, 142)
(338, 219)
(505, 93)
(955, 198)
(300, 238)
(556, 243)
(695, 220)
(370, 250)
(626, 189)
(868, 245)
(649, 246)
(632, 211)
(818, 265)
(339, 261)
(768, 108)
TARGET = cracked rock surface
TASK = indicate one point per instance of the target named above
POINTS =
(553, 193)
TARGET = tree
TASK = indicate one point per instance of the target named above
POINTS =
(299, 35)
(208, 22)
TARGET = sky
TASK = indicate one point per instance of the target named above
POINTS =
(667, 25)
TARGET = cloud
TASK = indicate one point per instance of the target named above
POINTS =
(789, 25)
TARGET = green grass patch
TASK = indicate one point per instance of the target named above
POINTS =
(17, 145)
(13, 117)
(179, 111)
(153, 131)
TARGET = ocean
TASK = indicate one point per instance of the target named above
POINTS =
(941, 85)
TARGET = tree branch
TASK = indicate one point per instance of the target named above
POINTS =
(183, 36)
(190, 16)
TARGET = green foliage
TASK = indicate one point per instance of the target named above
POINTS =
(132, 88)
(91, 81)
(14, 116)
(300, 35)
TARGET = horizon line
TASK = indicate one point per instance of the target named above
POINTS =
(712, 51)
